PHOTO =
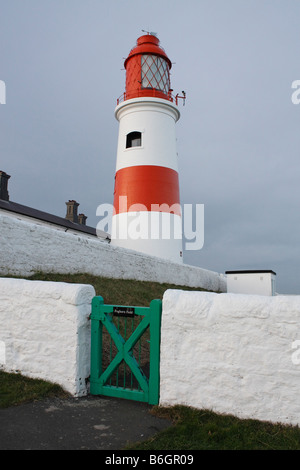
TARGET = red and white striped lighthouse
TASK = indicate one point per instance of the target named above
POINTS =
(147, 213)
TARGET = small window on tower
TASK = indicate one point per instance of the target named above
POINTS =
(133, 139)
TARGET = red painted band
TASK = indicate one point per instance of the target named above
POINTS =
(149, 187)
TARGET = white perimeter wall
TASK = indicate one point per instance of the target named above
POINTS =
(45, 331)
(232, 353)
(27, 247)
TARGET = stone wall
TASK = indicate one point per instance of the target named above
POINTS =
(27, 246)
(45, 331)
(232, 353)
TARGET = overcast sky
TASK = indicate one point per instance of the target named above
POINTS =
(238, 136)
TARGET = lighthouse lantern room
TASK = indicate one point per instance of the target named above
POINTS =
(147, 212)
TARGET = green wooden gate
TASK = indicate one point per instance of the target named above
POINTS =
(125, 351)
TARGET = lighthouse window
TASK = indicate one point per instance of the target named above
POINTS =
(155, 73)
(133, 139)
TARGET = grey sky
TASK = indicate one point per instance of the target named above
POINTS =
(238, 136)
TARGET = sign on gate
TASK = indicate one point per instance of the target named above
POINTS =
(125, 351)
(124, 311)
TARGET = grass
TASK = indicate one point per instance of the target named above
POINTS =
(192, 429)
(116, 291)
(17, 389)
(204, 430)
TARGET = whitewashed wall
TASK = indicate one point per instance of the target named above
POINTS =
(27, 247)
(232, 353)
(45, 331)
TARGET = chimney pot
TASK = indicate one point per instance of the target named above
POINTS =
(4, 177)
(72, 208)
(82, 219)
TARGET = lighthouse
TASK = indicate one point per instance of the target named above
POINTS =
(147, 213)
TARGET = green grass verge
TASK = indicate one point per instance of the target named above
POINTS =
(16, 389)
(116, 291)
(204, 430)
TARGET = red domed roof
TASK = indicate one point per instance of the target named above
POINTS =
(148, 44)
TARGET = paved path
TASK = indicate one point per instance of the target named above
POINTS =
(87, 423)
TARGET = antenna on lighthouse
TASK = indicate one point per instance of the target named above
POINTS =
(149, 32)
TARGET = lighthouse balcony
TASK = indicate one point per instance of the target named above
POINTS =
(148, 92)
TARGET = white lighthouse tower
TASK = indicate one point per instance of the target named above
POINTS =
(147, 213)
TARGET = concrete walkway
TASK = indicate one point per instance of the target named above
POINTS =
(89, 423)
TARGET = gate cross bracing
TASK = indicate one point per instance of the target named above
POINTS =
(125, 351)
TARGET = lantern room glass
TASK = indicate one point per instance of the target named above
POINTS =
(155, 73)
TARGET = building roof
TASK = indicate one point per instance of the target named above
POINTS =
(251, 271)
(50, 218)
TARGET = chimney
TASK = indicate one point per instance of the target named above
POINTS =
(72, 207)
(4, 177)
(82, 219)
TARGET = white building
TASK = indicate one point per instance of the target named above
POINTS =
(251, 282)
